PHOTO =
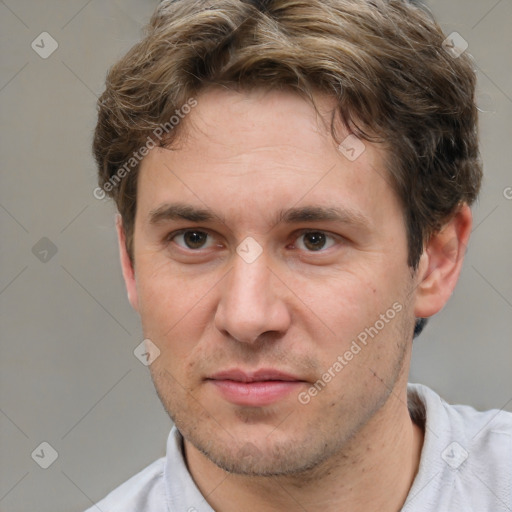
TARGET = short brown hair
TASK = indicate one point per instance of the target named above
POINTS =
(383, 61)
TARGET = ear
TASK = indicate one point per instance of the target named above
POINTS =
(126, 265)
(441, 263)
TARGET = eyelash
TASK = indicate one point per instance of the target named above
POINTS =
(170, 238)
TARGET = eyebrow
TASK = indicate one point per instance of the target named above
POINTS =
(323, 214)
(179, 211)
(295, 215)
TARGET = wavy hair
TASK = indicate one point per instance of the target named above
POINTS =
(382, 60)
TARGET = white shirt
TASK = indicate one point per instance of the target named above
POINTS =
(466, 466)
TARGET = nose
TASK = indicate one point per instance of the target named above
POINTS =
(252, 302)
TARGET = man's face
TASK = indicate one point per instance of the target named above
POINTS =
(243, 335)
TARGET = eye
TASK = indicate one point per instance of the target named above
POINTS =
(190, 239)
(315, 241)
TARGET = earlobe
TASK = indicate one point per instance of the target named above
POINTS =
(441, 263)
(126, 265)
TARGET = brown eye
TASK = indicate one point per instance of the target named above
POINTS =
(191, 239)
(315, 241)
(194, 239)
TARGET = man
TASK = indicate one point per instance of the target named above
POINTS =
(294, 181)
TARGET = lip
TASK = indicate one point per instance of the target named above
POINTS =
(254, 389)
(262, 374)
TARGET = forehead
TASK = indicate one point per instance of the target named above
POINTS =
(259, 119)
(264, 151)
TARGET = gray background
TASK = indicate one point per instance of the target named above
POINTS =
(68, 373)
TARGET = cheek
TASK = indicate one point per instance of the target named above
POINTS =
(165, 293)
(344, 302)
(364, 307)
(174, 309)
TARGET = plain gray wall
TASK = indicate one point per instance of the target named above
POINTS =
(68, 373)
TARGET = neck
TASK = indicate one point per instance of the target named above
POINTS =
(374, 472)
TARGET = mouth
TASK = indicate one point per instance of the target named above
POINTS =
(254, 389)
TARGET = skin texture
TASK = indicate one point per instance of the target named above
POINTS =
(247, 156)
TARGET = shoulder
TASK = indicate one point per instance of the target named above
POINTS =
(466, 461)
(143, 491)
(485, 439)
(470, 425)
(164, 485)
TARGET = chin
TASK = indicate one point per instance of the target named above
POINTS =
(264, 458)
